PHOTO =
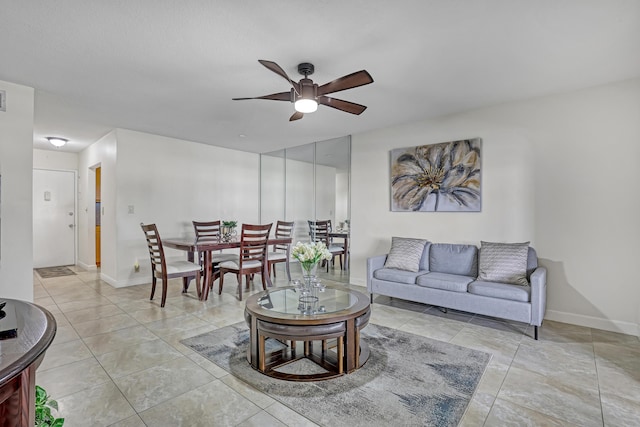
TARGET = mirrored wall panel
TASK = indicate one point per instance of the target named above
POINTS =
(306, 184)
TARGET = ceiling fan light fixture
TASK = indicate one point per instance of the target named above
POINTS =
(304, 105)
(56, 141)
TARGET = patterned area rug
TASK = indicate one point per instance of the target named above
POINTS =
(49, 272)
(408, 380)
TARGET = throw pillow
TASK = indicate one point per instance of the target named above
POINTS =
(405, 254)
(504, 263)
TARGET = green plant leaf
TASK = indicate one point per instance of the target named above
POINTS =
(41, 395)
(53, 404)
(58, 422)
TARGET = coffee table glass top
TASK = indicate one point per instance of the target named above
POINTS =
(286, 301)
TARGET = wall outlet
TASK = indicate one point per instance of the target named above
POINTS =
(131, 209)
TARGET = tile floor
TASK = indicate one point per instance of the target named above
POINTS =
(117, 361)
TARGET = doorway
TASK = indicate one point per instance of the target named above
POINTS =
(54, 218)
(98, 214)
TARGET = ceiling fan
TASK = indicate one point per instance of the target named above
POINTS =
(306, 95)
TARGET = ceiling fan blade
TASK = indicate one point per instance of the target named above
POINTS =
(339, 104)
(359, 78)
(279, 71)
(280, 96)
(296, 116)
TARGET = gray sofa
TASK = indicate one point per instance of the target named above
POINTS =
(447, 277)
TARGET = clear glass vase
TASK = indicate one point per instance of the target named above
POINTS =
(309, 272)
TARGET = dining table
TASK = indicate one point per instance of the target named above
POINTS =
(344, 235)
(207, 246)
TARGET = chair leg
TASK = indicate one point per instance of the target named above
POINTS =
(153, 286)
(264, 282)
(288, 271)
(240, 287)
(221, 282)
(164, 290)
(198, 289)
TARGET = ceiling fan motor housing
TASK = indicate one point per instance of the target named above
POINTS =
(306, 69)
(308, 89)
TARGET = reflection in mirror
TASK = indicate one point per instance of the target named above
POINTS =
(308, 183)
(300, 173)
(333, 162)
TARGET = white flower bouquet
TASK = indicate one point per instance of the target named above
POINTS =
(310, 254)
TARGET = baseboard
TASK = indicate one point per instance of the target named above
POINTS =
(110, 280)
(134, 282)
(627, 328)
(357, 281)
(88, 267)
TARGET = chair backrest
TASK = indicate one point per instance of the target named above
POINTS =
(156, 253)
(253, 242)
(319, 231)
(284, 230)
(208, 231)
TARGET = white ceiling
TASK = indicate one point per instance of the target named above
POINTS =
(171, 67)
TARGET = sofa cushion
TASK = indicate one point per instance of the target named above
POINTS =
(532, 261)
(503, 263)
(398, 276)
(500, 290)
(448, 282)
(424, 261)
(405, 254)
(454, 259)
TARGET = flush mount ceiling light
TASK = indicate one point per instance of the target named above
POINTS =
(58, 142)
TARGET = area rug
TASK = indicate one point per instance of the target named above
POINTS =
(408, 380)
(49, 272)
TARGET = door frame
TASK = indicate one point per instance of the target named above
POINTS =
(75, 207)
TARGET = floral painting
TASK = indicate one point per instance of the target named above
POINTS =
(441, 177)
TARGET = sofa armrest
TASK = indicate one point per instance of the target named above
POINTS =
(538, 280)
(374, 263)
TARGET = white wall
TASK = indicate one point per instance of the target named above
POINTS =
(55, 160)
(167, 181)
(16, 164)
(102, 153)
(560, 171)
(272, 189)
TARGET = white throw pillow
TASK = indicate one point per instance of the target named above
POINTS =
(405, 253)
(504, 263)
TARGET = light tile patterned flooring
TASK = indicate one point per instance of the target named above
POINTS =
(117, 361)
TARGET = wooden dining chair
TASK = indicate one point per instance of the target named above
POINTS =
(163, 270)
(281, 253)
(319, 232)
(252, 259)
(210, 231)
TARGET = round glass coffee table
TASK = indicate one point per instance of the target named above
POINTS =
(284, 330)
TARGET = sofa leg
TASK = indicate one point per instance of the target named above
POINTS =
(535, 332)
(372, 298)
(443, 309)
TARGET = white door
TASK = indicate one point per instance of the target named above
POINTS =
(54, 218)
